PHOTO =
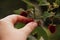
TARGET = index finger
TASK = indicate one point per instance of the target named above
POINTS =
(14, 18)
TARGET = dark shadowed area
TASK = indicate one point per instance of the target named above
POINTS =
(7, 6)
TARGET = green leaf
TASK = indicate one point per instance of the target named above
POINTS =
(43, 2)
(40, 32)
(18, 11)
(46, 14)
(19, 25)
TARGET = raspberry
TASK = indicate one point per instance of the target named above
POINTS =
(52, 28)
(23, 13)
(28, 20)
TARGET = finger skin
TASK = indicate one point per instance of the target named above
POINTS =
(8, 32)
(14, 18)
(27, 29)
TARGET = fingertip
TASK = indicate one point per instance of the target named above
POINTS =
(27, 29)
(34, 24)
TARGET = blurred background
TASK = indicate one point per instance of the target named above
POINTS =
(8, 6)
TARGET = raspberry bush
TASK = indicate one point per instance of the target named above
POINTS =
(47, 14)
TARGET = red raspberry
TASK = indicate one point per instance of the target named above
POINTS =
(28, 20)
(52, 28)
(23, 13)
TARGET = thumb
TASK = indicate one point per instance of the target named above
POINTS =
(29, 28)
